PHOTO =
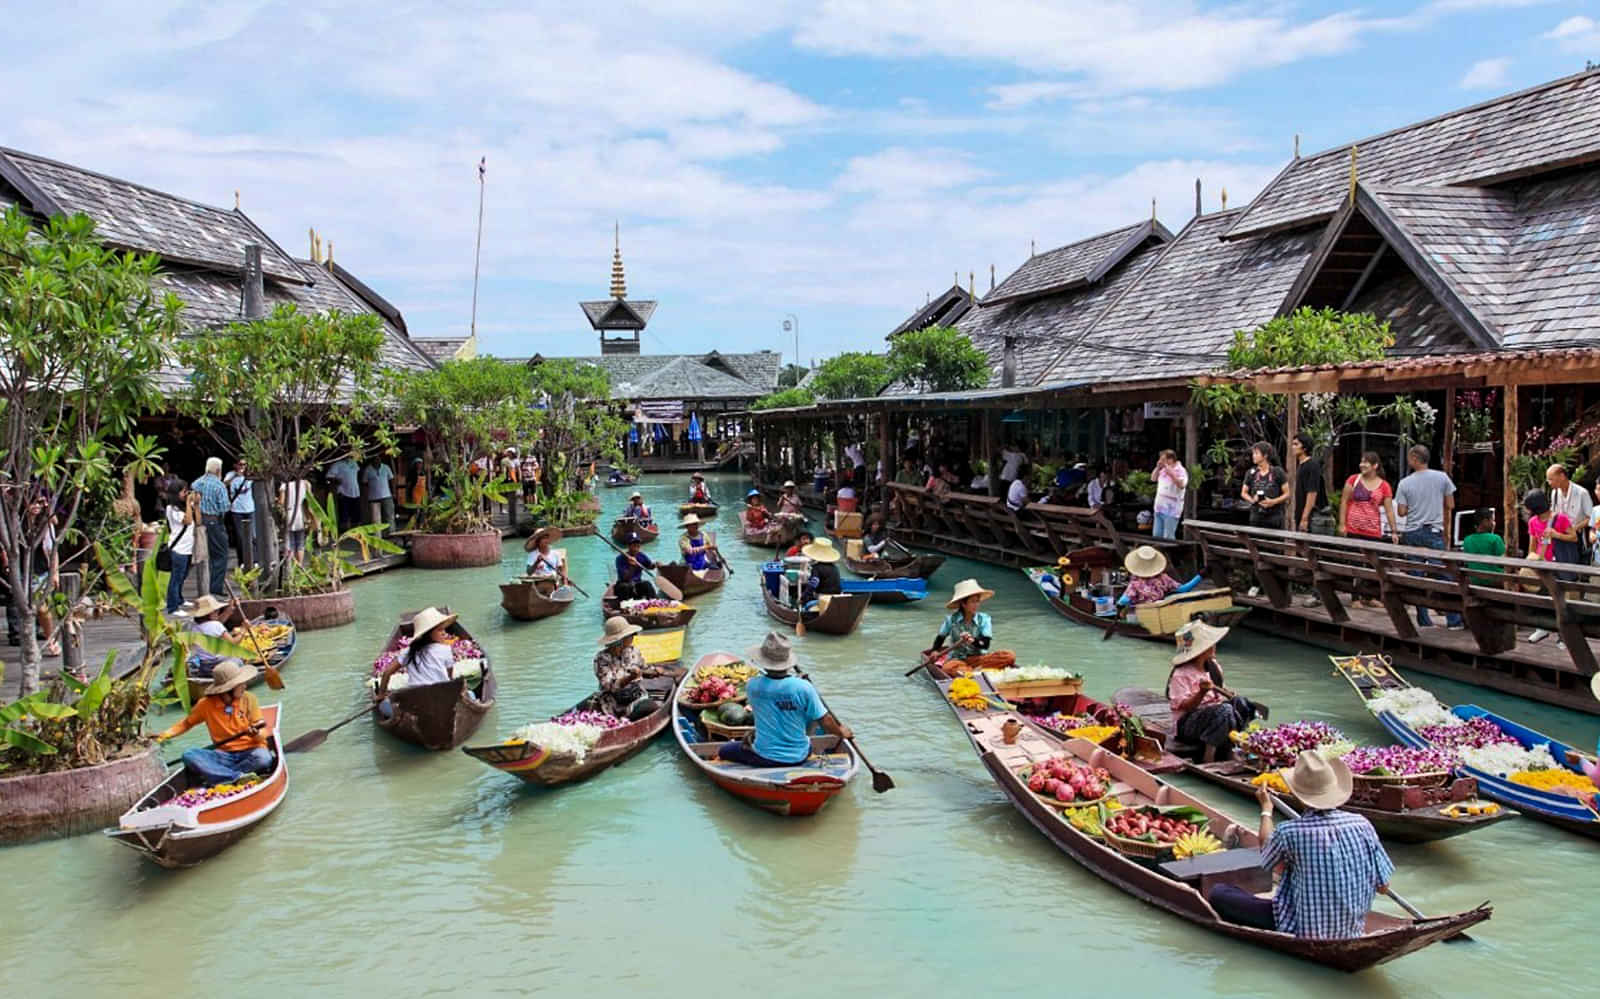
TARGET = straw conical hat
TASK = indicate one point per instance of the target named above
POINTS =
(1144, 562)
(967, 588)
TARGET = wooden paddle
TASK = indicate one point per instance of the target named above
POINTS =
(214, 745)
(926, 653)
(1399, 900)
(274, 678)
(317, 736)
(881, 781)
(666, 586)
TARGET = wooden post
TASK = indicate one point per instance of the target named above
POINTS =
(989, 443)
(1290, 516)
(71, 634)
(1191, 457)
(886, 457)
(1447, 456)
(1511, 524)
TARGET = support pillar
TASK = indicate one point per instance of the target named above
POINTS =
(1510, 524)
(1191, 457)
(1289, 508)
(1447, 454)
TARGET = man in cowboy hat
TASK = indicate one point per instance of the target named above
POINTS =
(631, 581)
(619, 668)
(698, 549)
(1331, 861)
(233, 718)
(637, 510)
(785, 706)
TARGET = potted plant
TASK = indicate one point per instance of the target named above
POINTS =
(313, 593)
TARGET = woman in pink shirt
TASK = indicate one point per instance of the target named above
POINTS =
(1544, 530)
(1204, 712)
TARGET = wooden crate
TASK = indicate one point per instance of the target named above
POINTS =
(1024, 689)
(1167, 616)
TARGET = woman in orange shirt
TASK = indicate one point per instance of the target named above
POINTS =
(233, 718)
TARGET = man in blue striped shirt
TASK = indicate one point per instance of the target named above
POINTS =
(1332, 863)
(214, 506)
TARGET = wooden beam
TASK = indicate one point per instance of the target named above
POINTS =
(1509, 523)
(1191, 456)
(1447, 460)
(1366, 275)
(1289, 520)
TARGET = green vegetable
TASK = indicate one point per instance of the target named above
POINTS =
(731, 714)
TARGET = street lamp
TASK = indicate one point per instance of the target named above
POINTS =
(792, 322)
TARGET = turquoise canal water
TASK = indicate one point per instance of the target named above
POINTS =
(390, 871)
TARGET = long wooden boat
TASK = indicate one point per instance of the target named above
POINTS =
(535, 764)
(698, 509)
(1178, 886)
(1217, 601)
(888, 591)
(1156, 713)
(1371, 675)
(799, 790)
(692, 582)
(528, 599)
(174, 835)
(624, 526)
(610, 606)
(626, 480)
(436, 715)
(843, 613)
(277, 655)
(895, 567)
(775, 534)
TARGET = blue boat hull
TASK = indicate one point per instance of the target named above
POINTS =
(888, 591)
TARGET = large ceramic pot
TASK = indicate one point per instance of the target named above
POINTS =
(70, 802)
(455, 551)
(309, 613)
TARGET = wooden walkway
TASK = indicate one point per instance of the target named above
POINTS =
(100, 637)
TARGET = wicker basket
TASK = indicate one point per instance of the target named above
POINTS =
(708, 719)
(1434, 779)
(1053, 802)
(711, 705)
(1139, 848)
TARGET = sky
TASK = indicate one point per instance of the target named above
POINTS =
(835, 162)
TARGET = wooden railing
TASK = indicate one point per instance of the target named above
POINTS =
(1494, 596)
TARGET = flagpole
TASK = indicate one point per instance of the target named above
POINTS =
(477, 252)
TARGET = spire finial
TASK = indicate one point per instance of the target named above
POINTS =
(619, 286)
(1352, 173)
(1152, 209)
(236, 199)
(1224, 199)
(1297, 145)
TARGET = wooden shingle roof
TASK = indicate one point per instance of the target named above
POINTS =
(1075, 265)
(1550, 126)
(945, 309)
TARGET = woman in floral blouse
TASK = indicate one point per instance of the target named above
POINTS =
(621, 668)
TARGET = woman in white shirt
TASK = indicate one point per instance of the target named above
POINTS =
(428, 659)
(181, 518)
(292, 497)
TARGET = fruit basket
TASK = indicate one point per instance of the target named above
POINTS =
(1183, 820)
(1063, 782)
(711, 692)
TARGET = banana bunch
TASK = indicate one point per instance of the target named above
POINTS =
(735, 673)
(1195, 844)
(262, 634)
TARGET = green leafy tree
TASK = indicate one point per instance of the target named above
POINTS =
(785, 398)
(851, 375)
(293, 390)
(937, 359)
(574, 428)
(83, 332)
(791, 374)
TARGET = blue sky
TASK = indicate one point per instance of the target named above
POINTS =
(837, 160)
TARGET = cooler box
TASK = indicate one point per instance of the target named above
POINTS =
(772, 572)
(853, 549)
(847, 503)
(1167, 616)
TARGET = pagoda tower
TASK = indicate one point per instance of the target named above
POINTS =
(618, 320)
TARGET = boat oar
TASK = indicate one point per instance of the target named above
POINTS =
(1399, 899)
(317, 736)
(214, 745)
(921, 665)
(274, 678)
(881, 781)
(666, 586)
(575, 586)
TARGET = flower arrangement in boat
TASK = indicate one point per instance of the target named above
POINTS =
(1414, 706)
(599, 719)
(1023, 674)
(964, 692)
(654, 607)
(1503, 758)
(1061, 724)
(1272, 779)
(1558, 780)
(1279, 745)
(197, 796)
(1398, 761)
(561, 739)
(1094, 733)
(1063, 778)
(1473, 733)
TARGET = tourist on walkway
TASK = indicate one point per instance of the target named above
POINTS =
(785, 707)
(214, 512)
(242, 511)
(233, 718)
(1265, 486)
(1017, 495)
(1204, 711)
(620, 668)
(970, 633)
(1331, 861)
(1483, 541)
(1573, 500)
(1172, 482)
(292, 500)
(1100, 491)
(1011, 461)
(346, 479)
(854, 454)
(1548, 530)
(631, 564)
(183, 518)
(1367, 501)
(1307, 480)
(377, 485)
(46, 566)
(542, 562)
(1426, 501)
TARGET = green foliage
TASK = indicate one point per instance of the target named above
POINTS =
(1310, 336)
(851, 375)
(1140, 484)
(937, 359)
(328, 564)
(784, 399)
(791, 374)
(83, 332)
(575, 428)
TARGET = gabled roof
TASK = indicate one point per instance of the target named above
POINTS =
(382, 306)
(1179, 315)
(618, 314)
(326, 294)
(439, 348)
(945, 310)
(1554, 125)
(753, 374)
(130, 216)
(684, 378)
(1076, 265)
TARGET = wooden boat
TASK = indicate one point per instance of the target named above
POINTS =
(1214, 605)
(1385, 809)
(1152, 708)
(777, 533)
(906, 566)
(278, 655)
(698, 509)
(624, 526)
(626, 480)
(610, 606)
(888, 591)
(436, 715)
(534, 764)
(177, 836)
(1371, 675)
(797, 790)
(692, 582)
(661, 648)
(1178, 886)
(841, 615)
(528, 599)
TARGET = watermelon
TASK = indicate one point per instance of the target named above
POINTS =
(732, 714)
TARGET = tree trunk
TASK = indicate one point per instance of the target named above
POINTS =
(268, 557)
(30, 653)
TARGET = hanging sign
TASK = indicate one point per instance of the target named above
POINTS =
(1163, 410)
(661, 410)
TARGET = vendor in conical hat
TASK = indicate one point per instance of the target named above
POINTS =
(824, 579)
(620, 668)
(228, 710)
(541, 560)
(1148, 579)
(1204, 711)
(697, 489)
(970, 632)
(699, 549)
(789, 500)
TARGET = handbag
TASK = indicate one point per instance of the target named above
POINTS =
(164, 554)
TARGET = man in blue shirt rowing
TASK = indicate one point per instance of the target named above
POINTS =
(785, 705)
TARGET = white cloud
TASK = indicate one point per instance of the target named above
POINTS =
(1577, 34)
(1485, 74)
(1016, 95)
(901, 172)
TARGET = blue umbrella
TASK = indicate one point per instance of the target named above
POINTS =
(694, 428)
(633, 434)
(660, 430)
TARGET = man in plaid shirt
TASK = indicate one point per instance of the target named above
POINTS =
(1332, 863)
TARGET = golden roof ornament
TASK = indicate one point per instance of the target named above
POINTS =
(619, 286)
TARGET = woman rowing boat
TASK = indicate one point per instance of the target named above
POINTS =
(1203, 710)
(542, 562)
(970, 631)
